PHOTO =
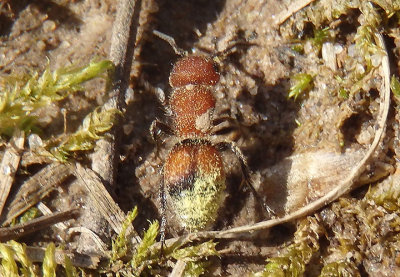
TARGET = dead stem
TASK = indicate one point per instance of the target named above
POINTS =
(36, 254)
(293, 8)
(179, 269)
(36, 188)
(9, 166)
(9, 233)
(106, 158)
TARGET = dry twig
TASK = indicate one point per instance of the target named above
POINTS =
(179, 269)
(9, 166)
(36, 224)
(102, 199)
(106, 157)
(293, 8)
(36, 188)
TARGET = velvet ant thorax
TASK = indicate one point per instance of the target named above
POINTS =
(194, 70)
(192, 108)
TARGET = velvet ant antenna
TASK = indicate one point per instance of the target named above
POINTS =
(171, 41)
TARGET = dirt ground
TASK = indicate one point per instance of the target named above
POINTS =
(298, 149)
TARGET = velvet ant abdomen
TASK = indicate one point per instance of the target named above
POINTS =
(194, 70)
(195, 182)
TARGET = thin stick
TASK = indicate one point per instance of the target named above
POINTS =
(36, 255)
(9, 166)
(179, 269)
(292, 9)
(36, 224)
(105, 159)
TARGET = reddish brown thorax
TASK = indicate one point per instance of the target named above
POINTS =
(192, 101)
(192, 108)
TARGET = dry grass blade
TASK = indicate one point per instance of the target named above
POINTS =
(102, 199)
(293, 8)
(36, 188)
(36, 254)
(9, 166)
(100, 244)
(34, 225)
(46, 211)
(179, 269)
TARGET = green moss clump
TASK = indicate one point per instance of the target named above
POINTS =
(30, 214)
(296, 256)
(301, 83)
(15, 261)
(21, 97)
(144, 258)
(94, 124)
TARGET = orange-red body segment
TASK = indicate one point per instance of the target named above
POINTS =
(195, 70)
(192, 108)
(194, 177)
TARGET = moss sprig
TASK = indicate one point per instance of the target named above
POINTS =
(8, 265)
(91, 130)
(301, 83)
(296, 256)
(49, 262)
(191, 253)
(395, 87)
(14, 261)
(142, 252)
(121, 243)
(146, 258)
(21, 97)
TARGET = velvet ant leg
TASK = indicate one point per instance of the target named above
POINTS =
(163, 206)
(159, 129)
(246, 173)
